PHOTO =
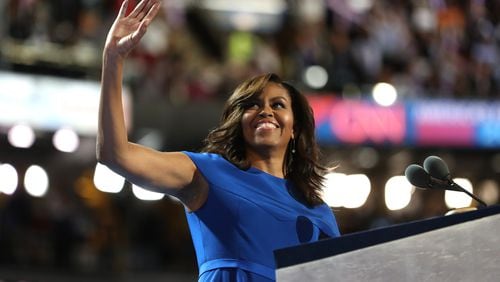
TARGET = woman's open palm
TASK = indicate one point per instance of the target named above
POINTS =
(127, 30)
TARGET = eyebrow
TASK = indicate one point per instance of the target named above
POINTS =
(279, 97)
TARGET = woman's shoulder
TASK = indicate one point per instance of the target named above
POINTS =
(205, 157)
(211, 164)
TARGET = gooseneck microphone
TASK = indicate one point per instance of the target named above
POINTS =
(435, 175)
(437, 168)
(418, 176)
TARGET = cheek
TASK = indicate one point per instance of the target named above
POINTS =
(246, 118)
(289, 123)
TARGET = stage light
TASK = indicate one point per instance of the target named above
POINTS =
(244, 21)
(360, 6)
(424, 19)
(359, 188)
(146, 195)
(36, 181)
(350, 191)
(272, 7)
(366, 157)
(106, 180)
(315, 77)
(311, 11)
(489, 191)
(456, 199)
(398, 192)
(384, 94)
(21, 136)
(334, 184)
(66, 140)
(8, 179)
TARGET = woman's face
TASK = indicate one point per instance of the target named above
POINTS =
(267, 121)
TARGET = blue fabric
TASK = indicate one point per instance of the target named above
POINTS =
(247, 215)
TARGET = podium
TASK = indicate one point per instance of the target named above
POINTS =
(458, 247)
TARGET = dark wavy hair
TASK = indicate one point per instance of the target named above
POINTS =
(302, 168)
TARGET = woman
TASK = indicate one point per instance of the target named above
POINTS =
(256, 187)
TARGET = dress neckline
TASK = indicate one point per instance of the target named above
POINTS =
(255, 170)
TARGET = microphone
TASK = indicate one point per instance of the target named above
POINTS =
(437, 168)
(435, 175)
(419, 178)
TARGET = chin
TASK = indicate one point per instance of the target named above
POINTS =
(267, 145)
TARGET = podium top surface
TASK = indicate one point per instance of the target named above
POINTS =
(326, 248)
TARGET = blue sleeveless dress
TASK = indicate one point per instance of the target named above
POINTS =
(247, 215)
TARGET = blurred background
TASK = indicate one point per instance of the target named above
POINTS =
(391, 82)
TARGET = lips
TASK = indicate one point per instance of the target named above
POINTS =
(266, 124)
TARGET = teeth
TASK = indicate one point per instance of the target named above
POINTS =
(266, 125)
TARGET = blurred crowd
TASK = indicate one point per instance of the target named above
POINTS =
(425, 48)
(77, 229)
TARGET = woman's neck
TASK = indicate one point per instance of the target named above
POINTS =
(271, 163)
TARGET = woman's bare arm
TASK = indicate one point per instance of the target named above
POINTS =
(173, 173)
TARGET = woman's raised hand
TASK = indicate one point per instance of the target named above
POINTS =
(127, 30)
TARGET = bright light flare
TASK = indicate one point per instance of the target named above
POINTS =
(106, 180)
(66, 140)
(457, 199)
(333, 194)
(8, 179)
(398, 192)
(36, 181)
(384, 94)
(360, 6)
(146, 195)
(359, 189)
(350, 191)
(21, 136)
(315, 77)
(489, 192)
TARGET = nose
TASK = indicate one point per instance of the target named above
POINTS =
(266, 112)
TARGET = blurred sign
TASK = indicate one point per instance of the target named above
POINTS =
(246, 15)
(456, 123)
(416, 123)
(49, 103)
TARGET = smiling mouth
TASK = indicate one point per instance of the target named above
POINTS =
(266, 125)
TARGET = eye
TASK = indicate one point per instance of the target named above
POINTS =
(251, 105)
(279, 105)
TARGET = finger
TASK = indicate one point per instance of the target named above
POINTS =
(123, 9)
(153, 11)
(139, 8)
(146, 10)
(139, 32)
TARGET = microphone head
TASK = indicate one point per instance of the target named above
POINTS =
(436, 167)
(417, 176)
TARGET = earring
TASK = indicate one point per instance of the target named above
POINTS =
(293, 146)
